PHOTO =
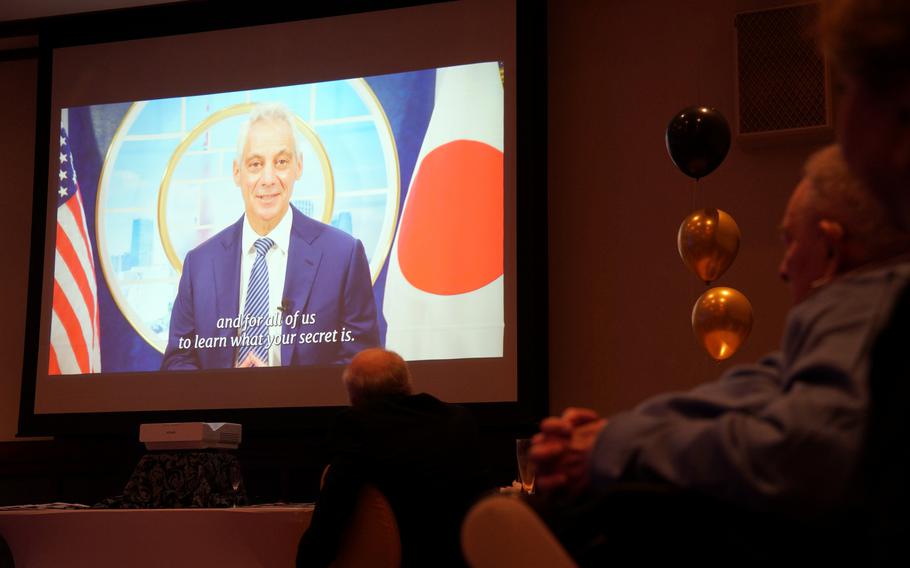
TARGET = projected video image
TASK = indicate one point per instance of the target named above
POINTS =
(292, 225)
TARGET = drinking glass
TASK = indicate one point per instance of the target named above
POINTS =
(525, 467)
(236, 478)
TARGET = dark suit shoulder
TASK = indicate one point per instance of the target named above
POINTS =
(217, 242)
(402, 420)
(421, 403)
(314, 231)
(411, 447)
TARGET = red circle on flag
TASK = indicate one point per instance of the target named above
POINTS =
(451, 235)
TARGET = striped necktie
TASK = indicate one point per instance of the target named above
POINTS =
(256, 309)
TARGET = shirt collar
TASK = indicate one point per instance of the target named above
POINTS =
(281, 234)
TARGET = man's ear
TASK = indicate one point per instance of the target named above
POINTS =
(236, 171)
(833, 237)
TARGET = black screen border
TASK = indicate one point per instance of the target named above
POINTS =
(196, 16)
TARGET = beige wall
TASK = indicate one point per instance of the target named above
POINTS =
(620, 298)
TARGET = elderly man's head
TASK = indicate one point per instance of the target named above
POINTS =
(376, 373)
(268, 163)
(869, 44)
(832, 225)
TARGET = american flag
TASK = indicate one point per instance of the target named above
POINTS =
(75, 334)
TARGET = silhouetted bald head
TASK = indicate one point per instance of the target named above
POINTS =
(375, 373)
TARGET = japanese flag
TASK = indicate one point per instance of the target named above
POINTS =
(444, 289)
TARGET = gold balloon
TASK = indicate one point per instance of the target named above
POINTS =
(722, 320)
(708, 241)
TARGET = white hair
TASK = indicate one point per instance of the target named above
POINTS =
(840, 196)
(268, 111)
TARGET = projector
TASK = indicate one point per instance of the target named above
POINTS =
(190, 435)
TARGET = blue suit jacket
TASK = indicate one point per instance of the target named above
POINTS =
(327, 276)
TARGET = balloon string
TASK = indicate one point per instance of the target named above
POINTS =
(698, 86)
(695, 290)
(700, 47)
(694, 286)
(706, 369)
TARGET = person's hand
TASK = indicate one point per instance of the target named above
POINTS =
(579, 416)
(561, 452)
(251, 360)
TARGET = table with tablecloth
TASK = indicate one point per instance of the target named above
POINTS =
(140, 538)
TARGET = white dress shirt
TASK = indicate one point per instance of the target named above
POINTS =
(277, 261)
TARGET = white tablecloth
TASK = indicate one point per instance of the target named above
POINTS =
(242, 537)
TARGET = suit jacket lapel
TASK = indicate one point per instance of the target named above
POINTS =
(303, 263)
(226, 275)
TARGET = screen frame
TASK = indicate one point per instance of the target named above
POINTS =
(531, 212)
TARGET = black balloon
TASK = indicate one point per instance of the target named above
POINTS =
(698, 139)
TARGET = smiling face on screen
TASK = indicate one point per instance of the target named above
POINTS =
(266, 171)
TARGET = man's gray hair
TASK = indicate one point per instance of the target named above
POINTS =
(268, 111)
(838, 195)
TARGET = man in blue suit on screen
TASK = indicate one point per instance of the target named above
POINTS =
(276, 287)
